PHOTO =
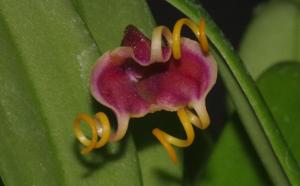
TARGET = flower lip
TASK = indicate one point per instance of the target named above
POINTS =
(125, 81)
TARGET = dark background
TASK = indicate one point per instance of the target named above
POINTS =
(232, 16)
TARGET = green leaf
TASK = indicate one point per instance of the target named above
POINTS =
(255, 115)
(19, 106)
(273, 36)
(46, 56)
(276, 22)
(232, 160)
(107, 23)
(233, 154)
(280, 88)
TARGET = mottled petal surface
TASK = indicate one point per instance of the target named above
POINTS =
(125, 81)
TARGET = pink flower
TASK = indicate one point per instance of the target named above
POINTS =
(143, 76)
(132, 85)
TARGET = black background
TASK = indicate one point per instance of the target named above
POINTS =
(232, 16)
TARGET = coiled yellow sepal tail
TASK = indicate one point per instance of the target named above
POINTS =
(187, 118)
(166, 139)
(199, 32)
(99, 126)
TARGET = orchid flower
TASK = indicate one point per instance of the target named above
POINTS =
(143, 76)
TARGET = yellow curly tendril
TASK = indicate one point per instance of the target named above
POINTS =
(199, 32)
(187, 117)
(102, 131)
(166, 139)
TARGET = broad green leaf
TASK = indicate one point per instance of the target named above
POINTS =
(155, 165)
(255, 115)
(46, 56)
(277, 22)
(280, 88)
(107, 23)
(22, 128)
(233, 161)
(273, 36)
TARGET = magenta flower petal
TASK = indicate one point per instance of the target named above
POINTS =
(132, 85)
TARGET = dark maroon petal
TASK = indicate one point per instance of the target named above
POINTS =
(141, 46)
(139, 43)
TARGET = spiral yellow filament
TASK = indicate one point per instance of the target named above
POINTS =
(103, 131)
(166, 139)
(199, 32)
